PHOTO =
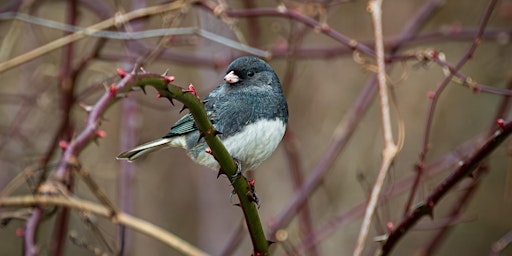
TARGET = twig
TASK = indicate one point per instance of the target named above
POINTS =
(6, 65)
(498, 246)
(463, 171)
(345, 130)
(120, 217)
(65, 131)
(390, 148)
(30, 247)
(502, 111)
(337, 223)
(436, 95)
(296, 170)
(306, 20)
(340, 139)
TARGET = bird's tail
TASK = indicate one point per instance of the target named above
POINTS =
(144, 149)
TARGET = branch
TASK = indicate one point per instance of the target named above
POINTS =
(6, 65)
(205, 127)
(464, 170)
(437, 94)
(119, 217)
(345, 129)
(390, 148)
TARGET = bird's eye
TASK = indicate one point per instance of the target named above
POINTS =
(250, 73)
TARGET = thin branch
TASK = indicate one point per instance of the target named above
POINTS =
(30, 246)
(337, 223)
(500, 245)
(344, 130)
(390, 148)
(502, 111)
(437, 94)
(122, 218)
(306, 20)
(463, 171)
(6, 65)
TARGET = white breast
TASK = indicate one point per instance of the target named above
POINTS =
(253, 145)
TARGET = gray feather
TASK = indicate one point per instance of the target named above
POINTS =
(144, 149)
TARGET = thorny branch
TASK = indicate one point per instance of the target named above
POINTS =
(344, 132)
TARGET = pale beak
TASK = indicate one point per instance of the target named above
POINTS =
(231, 78)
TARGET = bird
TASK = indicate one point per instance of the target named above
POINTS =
(249, 111)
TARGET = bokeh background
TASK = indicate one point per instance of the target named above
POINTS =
(323, 80)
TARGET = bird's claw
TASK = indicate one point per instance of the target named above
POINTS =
(238, 172)
(251, 194)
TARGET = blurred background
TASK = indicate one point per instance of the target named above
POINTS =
(328, 86)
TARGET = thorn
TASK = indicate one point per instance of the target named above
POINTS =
(100, 133)
(113, 90)
(170, 100)
(431, 94)
(270, 242)
(430, 209)
(420, 166)
(390, 226)
(209, 151)
(63, 144)
(500, 122)
(183, 108)
(204, 101)
(191, 89)
(216, 132)
(251, 183)
(143, 70)
(201, 135)
(121, 73)
(221, 172)
(169, 79)
(431, 214)
(165, 73)
(95, 139)
(20, 232)
(159, 95)
(85, 107)
(143, 88)
(237, 204)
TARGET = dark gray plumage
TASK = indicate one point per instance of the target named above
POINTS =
(249, 109)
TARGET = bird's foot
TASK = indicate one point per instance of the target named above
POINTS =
(251, 194)
(238, 172)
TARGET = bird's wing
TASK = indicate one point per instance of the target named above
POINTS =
(183, 126)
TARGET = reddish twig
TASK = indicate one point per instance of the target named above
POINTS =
(463, 171)
(29, 241)
(435, 97)
(295, 15)
(67, 91)
(398, 188)
(345, 130)
(463, 200)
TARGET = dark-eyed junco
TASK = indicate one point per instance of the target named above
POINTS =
(248, 109)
